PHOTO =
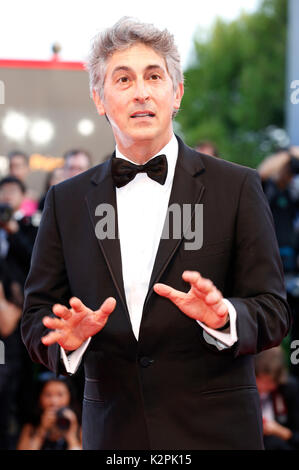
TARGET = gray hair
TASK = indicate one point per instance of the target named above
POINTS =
(124, 34)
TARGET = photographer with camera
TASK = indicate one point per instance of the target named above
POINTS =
(54, 424)
(17, 235)
(280, 178)
(279, 397)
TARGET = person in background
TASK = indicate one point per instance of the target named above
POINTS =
(208, 148)
(76, 161)
(19, 165)
(280, 179)
(17, 236)
(54, 423)
(19, 168)
(54, 177)
(17, 231)
(279, 395)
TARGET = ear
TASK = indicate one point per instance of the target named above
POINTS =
(98, 102)
(178, 96)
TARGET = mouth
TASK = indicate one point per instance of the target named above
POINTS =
(142, 114)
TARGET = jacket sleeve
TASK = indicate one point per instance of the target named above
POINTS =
(46, 284)
(258, 292)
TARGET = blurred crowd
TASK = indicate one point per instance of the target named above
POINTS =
(28, 420)
(41, 411)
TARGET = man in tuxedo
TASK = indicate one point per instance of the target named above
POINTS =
(167, 331)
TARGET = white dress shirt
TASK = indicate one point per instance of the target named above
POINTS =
(142, 207)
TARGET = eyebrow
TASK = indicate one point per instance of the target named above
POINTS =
(128, 69)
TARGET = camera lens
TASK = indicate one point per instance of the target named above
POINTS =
(62, 422)
(6, 213)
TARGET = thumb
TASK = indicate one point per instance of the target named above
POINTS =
(106, 308)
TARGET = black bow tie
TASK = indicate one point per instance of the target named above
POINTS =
(124, 171)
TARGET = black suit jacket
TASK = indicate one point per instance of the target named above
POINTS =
(171, 389)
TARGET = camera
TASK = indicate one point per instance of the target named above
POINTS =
(62, 422)
(6, 213)
(294, 165)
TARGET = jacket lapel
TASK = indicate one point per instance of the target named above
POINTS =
(186, 189)
(103, 192)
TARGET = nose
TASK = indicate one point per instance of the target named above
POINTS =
(54, 402)
(141, 94)
(6, 199)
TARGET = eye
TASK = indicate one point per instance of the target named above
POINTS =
(123, 79)
(155, 76)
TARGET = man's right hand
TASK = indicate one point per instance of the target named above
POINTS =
(76, 324)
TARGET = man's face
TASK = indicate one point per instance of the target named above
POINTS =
(76, 164)
(58, 175)
(12, 195)
(18, 167)
(265, 383)
(138, 97)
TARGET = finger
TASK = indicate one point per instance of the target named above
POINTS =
(191, 276)
(213, 297)
(78, 306)
(61, 311)
(198, 282)
(51, 338)
(68, 413)
(220, 309)
(204, 286)
(105, 309)
(169, 292)
(53, 323)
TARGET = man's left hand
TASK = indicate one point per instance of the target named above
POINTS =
(203, 302)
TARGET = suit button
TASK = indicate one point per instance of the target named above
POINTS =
(145, 361)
